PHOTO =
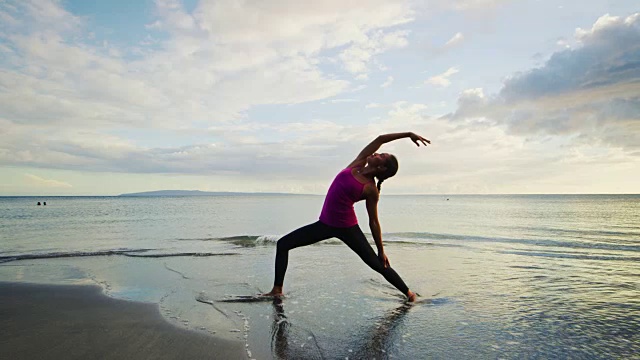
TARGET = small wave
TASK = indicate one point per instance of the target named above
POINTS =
(163, 255)
(529, 267)
(241, 240)
(434, 239)
(424, 236)
(251, 241)
(264, 240)
(389, 239)
(628, 231)
(577, 256)
(141, 253)
(55, 255)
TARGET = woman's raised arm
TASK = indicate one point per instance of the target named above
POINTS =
(383, 139)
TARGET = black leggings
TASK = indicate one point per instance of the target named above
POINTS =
(352, 236)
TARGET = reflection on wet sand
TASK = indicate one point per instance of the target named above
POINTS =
(288, 343)
(379, 341)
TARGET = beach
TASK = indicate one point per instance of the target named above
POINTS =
(499, 277)
(79, 322)
(171, 171)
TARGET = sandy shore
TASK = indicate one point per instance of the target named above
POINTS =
(79, 322)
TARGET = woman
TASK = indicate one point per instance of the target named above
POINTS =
(338, 218)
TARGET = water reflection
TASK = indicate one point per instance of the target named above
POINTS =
(383, 337)
(379, 341)
(288, 343)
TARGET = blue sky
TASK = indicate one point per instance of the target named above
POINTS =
(108, 97)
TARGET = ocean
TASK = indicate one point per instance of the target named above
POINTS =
(499, 276)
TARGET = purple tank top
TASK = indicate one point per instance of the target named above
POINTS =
(338, 209)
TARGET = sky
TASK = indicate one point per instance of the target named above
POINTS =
(517, 97)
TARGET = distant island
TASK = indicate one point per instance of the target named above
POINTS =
(196, 193)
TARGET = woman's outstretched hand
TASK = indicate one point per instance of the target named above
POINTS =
(384, 259)
(417, 139)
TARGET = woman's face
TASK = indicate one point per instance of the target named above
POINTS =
(378, 160)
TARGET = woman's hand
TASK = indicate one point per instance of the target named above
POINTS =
(384, 259)
(417, 139)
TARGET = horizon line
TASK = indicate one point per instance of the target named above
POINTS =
(239, 193)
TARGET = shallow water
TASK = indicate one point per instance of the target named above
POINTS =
(500, 276)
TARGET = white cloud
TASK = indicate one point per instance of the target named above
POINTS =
(200, 72)
(388, 82)
(466, 5)
(62, 96)
(562, 42)
(358, 88)
(471, 102)
(455, 40)
(69, 103)
(591, 93)
(338, 101)
(357, 57)
(442, 79)
(49, 183)
(406, 110)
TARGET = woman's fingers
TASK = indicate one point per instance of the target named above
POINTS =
(422, 140)
(385, 260)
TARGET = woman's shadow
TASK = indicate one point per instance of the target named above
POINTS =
(289, 342)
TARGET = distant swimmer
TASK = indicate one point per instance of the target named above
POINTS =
(338, 218)
(39, 203)
(44, 203)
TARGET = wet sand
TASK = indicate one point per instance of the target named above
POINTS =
(79, 322)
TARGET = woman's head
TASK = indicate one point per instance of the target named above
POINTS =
(386, 166)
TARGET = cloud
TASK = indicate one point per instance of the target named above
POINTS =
(339, 101)
(562, 42)
(466, 5)
(455, 40)
(239, 149)
(41, 182)
(357, 57)
(181, 101)
(68, 102)
(471, 102)
(388, 82)
(200, 64)
(406, 110)
(442, 79)
(609, 54)
(590, 92)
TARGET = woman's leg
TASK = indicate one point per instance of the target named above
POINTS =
(303, 236)
(355, 239)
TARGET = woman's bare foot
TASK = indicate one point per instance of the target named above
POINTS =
(275, 292)
(411, 296)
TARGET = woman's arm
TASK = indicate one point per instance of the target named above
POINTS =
(371, 195)
(383, 139)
